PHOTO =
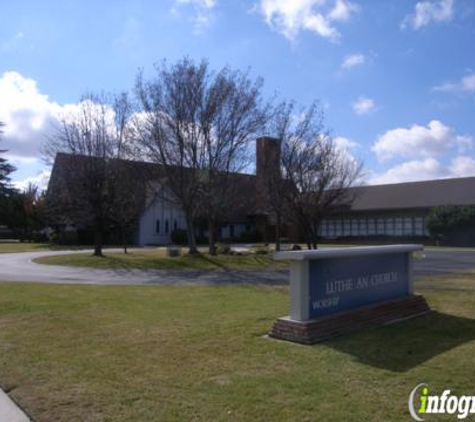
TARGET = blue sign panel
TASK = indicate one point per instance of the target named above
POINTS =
(340, 284)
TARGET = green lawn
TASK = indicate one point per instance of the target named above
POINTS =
(157, 259)
(151, 353)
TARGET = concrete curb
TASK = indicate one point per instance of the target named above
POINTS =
(9, 411)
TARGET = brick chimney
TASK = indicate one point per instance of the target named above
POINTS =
(267, 168)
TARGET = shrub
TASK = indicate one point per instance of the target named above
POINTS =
(64, 238)
(444, 220)
(179, 237)
(201, 239)
(261, 249)
(250, 236)
(39, 237)
(173, 251)
(223, 249)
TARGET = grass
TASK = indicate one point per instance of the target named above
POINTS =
(97, 353)
(13, 246)
(157, 259)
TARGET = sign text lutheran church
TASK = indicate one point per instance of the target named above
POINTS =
(337, 291)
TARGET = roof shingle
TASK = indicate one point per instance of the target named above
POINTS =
(459, 191)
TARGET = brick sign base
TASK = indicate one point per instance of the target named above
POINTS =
(323, 328)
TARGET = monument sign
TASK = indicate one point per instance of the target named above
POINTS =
(339, 290)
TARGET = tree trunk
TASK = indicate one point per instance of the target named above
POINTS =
(308, 241)
(277, 232)
(314, 240)
(211, 239)
(191, 236)
(98, 242)
(315, 235)
(124, 239)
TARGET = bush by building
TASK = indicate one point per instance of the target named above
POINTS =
(179, 237)
(250, 236)
(452, 225)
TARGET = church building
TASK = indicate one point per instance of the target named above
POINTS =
(393, 211)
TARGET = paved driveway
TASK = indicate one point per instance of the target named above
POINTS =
(18, 267)
(445, 261)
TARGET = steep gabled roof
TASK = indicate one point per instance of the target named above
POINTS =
(146, 176)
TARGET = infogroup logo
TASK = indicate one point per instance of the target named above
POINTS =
(421, 403)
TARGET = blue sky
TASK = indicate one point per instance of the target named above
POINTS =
(396, 78)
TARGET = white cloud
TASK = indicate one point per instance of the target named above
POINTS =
(420, 141)
(345, 149)
(466, 84)
(462, 166)
(28, 115)
(342, 10)
(41, 180)
(426, 169)
(428, 11)
(364, 105)
(292, 17)
(203, 12)
(431, 152)
(352, 61)
(346, 144)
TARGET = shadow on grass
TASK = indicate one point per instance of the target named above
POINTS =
(405, 345)
(212, 261)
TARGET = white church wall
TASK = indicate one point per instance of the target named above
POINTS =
(158, 221)
(162, 216)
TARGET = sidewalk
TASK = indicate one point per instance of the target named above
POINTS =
(9, 411)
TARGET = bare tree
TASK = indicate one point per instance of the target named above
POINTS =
(317, 175)
(238, 116)
(126, 198)
(196, 125)
(93, 138)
